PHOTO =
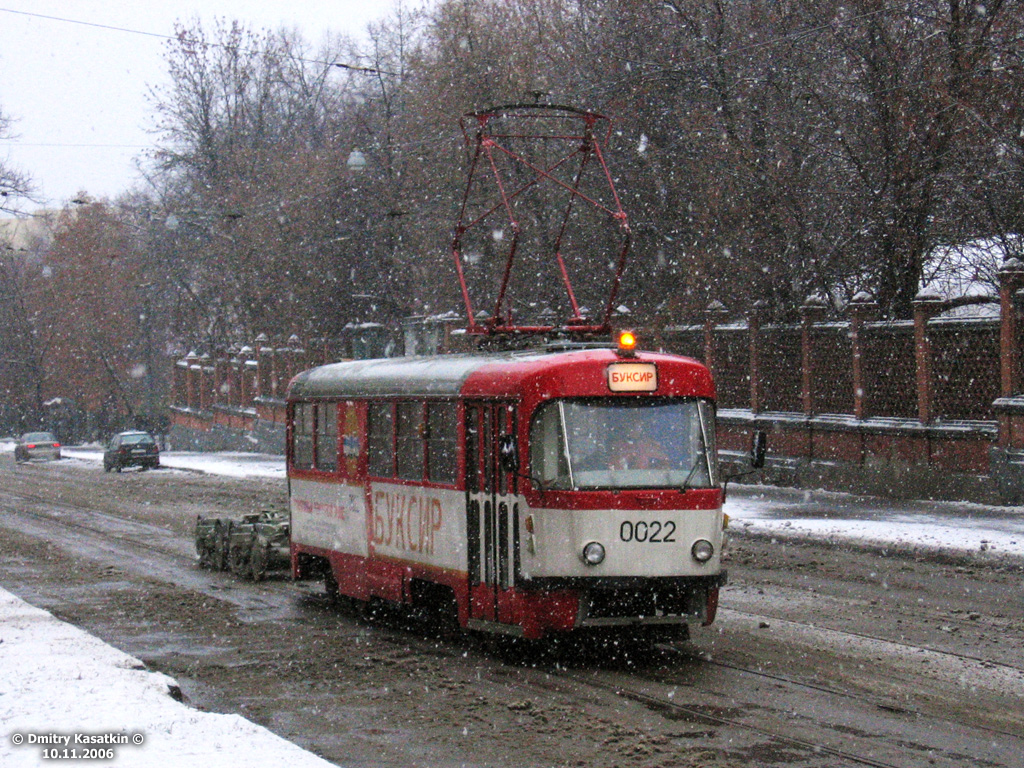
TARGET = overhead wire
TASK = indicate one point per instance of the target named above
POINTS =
(11, 143)
(160, 36)
(663, 71)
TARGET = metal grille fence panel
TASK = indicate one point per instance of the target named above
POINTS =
(732, 366)
(779, 360)
(688, 341)
(1017, 341)
(832, 362)
(965, 369)
(965, 366)
(890, 370)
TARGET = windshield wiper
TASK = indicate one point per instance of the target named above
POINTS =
(686, 483)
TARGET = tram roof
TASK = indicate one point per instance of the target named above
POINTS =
(439, 375)
(494, 374)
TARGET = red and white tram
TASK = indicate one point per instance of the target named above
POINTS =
(532, 492)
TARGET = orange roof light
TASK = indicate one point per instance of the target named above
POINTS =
(627, 342)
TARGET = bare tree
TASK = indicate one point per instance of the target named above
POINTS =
(764, 150)
(250, 157)
(14, 184)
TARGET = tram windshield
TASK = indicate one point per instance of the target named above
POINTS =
(624, 443)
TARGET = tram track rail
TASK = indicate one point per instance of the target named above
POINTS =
(119, 518)
(898, 709)
(984, 661)
(703, 716)
(175, 561)
(78, 525)
(953, 621)
(648, 689)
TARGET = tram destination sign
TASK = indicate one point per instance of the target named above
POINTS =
(632, 377)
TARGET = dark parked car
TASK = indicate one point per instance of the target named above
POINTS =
(36, 445)
(131, 449)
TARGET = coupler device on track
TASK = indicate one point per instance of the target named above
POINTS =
(249, 548)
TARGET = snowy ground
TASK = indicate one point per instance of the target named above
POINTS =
(58, 682)
(783, 512)
(230, 464)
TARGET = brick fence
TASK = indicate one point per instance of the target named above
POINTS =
(235, 400)
(928, 407)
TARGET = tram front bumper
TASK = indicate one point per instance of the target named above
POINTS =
(610, 602)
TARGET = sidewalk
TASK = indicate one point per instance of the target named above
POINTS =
(938, 526)
(61, 688)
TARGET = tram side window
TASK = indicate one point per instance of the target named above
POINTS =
(302, 435)
(411, 431)
(327, 437)
(472, 449)
(548, 463)
(380, 443)
(441, 443)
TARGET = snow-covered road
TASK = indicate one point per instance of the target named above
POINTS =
(57, 681)
(954, 527)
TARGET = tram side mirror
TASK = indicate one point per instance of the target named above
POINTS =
(758, 448)
(507, 456)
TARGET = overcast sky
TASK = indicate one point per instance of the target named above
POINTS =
(78, 91)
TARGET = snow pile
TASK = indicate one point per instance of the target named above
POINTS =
(226, 463)
(220, 463)
(60, 686)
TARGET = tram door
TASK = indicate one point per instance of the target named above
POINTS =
(491, 510)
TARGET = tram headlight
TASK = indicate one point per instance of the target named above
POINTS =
(702, 550)
(593, 553)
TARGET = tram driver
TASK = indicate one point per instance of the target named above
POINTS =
(637, 449)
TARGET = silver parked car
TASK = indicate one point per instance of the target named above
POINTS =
(36, 445)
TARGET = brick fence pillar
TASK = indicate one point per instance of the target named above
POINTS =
(1011, 280)
(713, 315)
(181, 384)
(1010, 407)
(264, 367)
(753, 329)
(927, 304)
(205, 382)
(862, 309)
(192, 374)
(812, 311)
(246, 385)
